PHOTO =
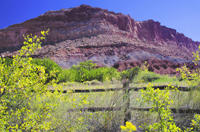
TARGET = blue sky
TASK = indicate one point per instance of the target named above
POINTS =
(182, 15)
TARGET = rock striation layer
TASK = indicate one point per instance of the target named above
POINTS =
(87, 33)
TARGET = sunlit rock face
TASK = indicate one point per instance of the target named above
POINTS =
(107, 38)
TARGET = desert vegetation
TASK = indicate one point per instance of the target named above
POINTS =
(26, 104)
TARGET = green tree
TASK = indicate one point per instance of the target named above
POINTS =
(86, 65)
(130, 73)
(49, 67)
(67, 75)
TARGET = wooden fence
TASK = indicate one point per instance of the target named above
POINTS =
(127, 109)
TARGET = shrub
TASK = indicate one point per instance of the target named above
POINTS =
(67, 75)
(104, 74)
(49, 67)
(160, 101)
(16, 83)
(25, 102)
(7, 61)
(86, 65)
(82, 75)
(130, 73)
(86, 71)
(146, 76)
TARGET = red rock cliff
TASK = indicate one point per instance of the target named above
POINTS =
(85, 32)
(88, 21)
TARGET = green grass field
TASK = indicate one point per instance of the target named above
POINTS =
(108, 121)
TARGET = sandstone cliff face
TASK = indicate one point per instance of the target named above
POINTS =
(87, 33)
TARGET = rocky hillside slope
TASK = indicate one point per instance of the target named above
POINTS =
(107, 38)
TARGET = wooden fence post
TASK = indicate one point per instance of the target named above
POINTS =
(126, 99)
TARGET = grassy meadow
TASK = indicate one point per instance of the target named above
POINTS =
(101, 121)
(111, 121)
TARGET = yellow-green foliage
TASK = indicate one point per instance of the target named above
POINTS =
(25, 102)
(192, 78)
(17, 83)
(7, 60)
(86, 71)
(196, 121)
(146, 76)
(160, 101)
(49, 65)
(128, 128)
(130, 73)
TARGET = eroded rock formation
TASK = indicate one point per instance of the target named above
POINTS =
(108, 38)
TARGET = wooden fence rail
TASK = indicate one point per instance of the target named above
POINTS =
(161, 87)
(126, 90)
(94, 109)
